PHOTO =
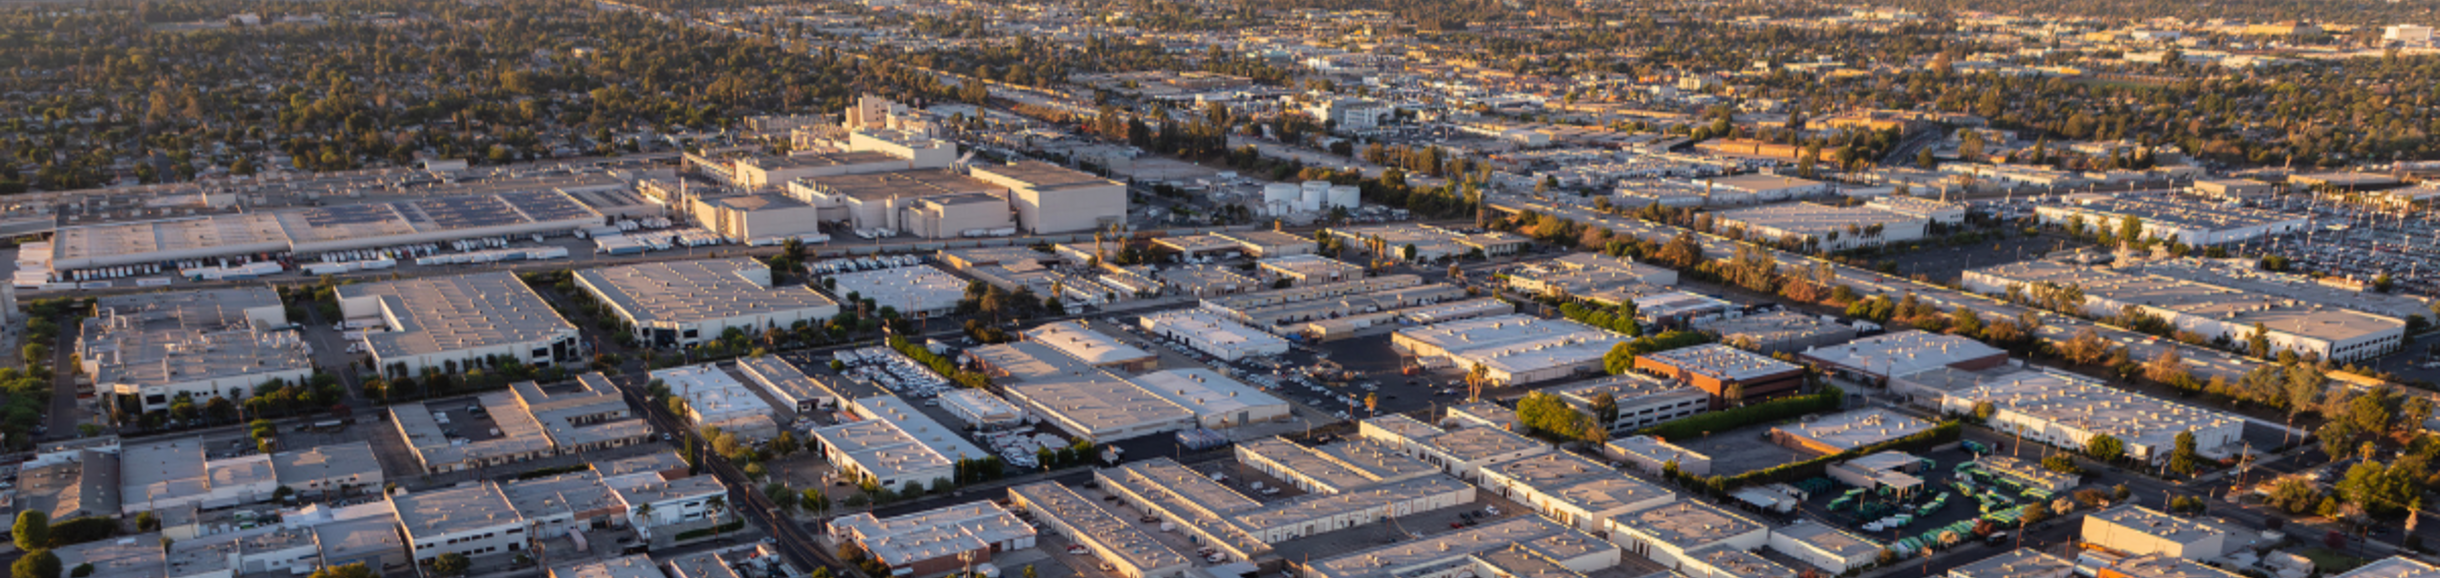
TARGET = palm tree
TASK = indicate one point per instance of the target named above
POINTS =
(719, 506)
(1475, 378)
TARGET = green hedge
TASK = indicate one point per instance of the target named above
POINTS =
(82, 530)
(548, 472)
(732, 526)
(1766, 412)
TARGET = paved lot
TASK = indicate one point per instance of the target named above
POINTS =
(1742, 450)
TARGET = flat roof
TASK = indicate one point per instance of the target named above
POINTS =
(155, 339)
(1042, 176)
(1094, 524)
(1517, 343)
(711, 393)
(457, 313)
(1077, 340)
(1904, 352)
(880, 448)
(1625, 388)
(1830, 539)
(910, 183)
(1546, 539)
(1688, 524)
(1742, 564)
(648, 488)
(1811, 218)
(698, 291)
(1211, 328)
(636, 566)
(436, 512)
(784, 380)
(759, 202)
(920, 287)
(935, 533)
(2085, 404)
(2018, 563)
(1476, 443)
(1723, 363)
(1856, 429)
(1309, 265)
(568, 493)
(296, 467)
(1581, 482)
(2390, 567)
(1098, 402)
(2157, 566)
(1338, 466)
(1776, 326)
(2186, 215)
(1264, 238)
(1206, 392)
(2156, 524)
(1027, 360)
(1653, 448)
(1762, 182)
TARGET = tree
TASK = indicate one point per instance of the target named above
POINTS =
(451, 564)
(1546, 415)
(785, 443)
(357, 570)
(33, 530)
(36, 564)
(2105, 448)
(2086, 348)
(2183, 459)
(2166, 368)
(2034, 513)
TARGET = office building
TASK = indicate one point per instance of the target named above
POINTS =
(155, 347)
(1642, 401)
(1512, 349)
(714, 399)
(652, 501)
(1732, 376)
(455, 323)
(686, 303)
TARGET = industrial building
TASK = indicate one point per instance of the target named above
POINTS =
(1431, 243)
(1676, 535)
(554, 505)
(1653, 455)
(2018, 563)
(1841, 432)
(173, 474)
(1122, 544)
(526, 422)
(1522, 546)
(1309, 198)
(2322, 329)
(1583, 275)
(953, 538)
(1308, 269)
(686, 303)
(2248, 277)
(1732, 376)
(981, 409)
(1512, 349)
(1332, 468)
(1833, 550)
(1077, 339)
(2067, 411)
(155, 347)
(343, 469)
(1340, 314)
(788, 384)
(1054, 199)
(1767, 188)
(1931, 210)
(473, 521)
(2158, 566)
(1572, 490)
(455, 323)
(1880, 357)
(1642, 401)
(1778, 332)
(888, 201)
(2170, 220)
(1824, 227)
(2232, 189)
(339, 227)
(1218, 401)
(1099, 406)
(1245, 528)
(714, 399)
(767, 218)
(894, 444)
(652, 501)
(2139, 531)
(1200, 248)
(1482, 413)
(1213, 335)
(914, 291)
(1206, 281)
(1268, 244)
(1462, 452)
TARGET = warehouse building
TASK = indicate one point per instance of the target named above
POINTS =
(338, 227)
(174, 474)
(2158, 566)
(1931, 210)
(1200, 248)
(1851, 430)
(1767, 188)
(757, 219)
(2322, 329)
(770, 171)
(552, 506)
(1642, 401)
(1309, 269)
(1778, 332)
(2018, 563)
(894, 445)
(1880, 357)
(1513, 349)
(1218, 401)
(1678, 534)
(1269, 244)
(1574, 491)
(2232, 189)
(2139, 531)
(686, 303)
(1653, 455)
(914, 291)
(2067, 411)
(1348, 313)
(473, 521)
(1522, 546)
(941, 202)
(714, 399)
(1732, 376)
(154, 347)
(1245, 528)
(1206, 281)
(953, 538)
(342, 469)
(1825, 227)
(2169, 220)
(1431, 243)
(1337, 467)
(1213, 335)
(1482, 413)
(1054, 199)
(788, 384)
(1078, 340)
(455, 323)
(1098, 406)
(528, 421)
(1123, 545)
(981, 409)
(1462, 453)
(1583, 275)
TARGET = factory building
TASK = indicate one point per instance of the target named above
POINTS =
(953, 538)
(155, 347)
(1053, 199)
(766, 218)
(1431, 243)
(455, 323)
(686, 303)
(2166, 219)
(2067, 411)
(1513, 349)
(1825, 227)
(2322, 326)
(918, 291)
(884, 201)
(1880, 357)
(1119, 542)
(1210, 334)
(1462, 452)
(1732, 376)
(1523, 546)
